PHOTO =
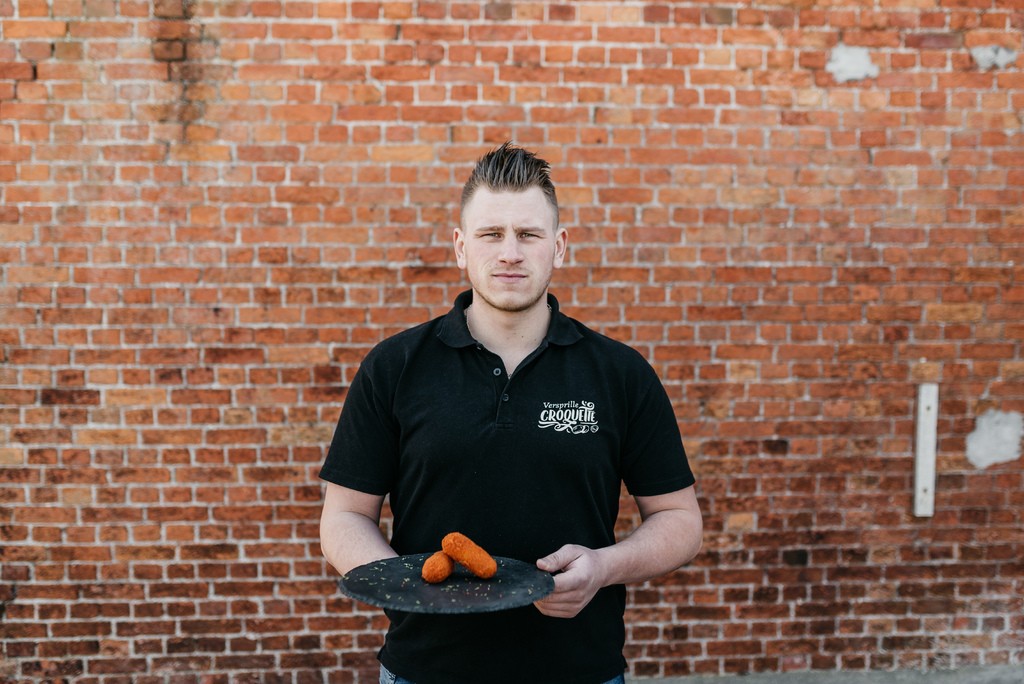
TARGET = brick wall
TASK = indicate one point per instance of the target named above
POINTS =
(211, 210)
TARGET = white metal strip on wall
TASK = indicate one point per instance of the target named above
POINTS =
(925, 447)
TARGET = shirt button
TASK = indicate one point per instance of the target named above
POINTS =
(504, 397)
(497, 371)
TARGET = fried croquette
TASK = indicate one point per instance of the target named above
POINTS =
(437, 568)
(465, 552)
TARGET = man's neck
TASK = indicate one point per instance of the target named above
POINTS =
(511, 335)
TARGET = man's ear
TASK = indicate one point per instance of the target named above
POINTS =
(561, 245)
(458, 240)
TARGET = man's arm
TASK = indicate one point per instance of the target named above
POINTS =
(349, 528)
(668, 537)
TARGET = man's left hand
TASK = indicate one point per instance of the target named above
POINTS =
(579, 575)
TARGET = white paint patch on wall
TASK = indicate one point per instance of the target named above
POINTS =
(848, 63)
(988, 56)
(996, 438)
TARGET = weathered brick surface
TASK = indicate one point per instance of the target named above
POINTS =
(210, 211)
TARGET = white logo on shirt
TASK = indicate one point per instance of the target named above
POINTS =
(574, 417)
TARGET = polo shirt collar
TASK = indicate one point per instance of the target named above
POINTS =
(454, 331)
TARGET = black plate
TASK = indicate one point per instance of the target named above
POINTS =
(395, 583)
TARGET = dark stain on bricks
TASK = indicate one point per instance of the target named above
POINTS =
(8, 594)
(80, 397)
(180, 42)
(498, 11)
(795, 557)
(719, 16)
(935, 41)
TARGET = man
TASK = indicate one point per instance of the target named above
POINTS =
(516, 425)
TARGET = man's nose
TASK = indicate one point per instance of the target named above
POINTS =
(511, 250)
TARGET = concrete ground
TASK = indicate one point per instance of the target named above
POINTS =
(1003, 674)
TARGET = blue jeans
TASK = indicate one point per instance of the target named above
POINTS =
(386, 677)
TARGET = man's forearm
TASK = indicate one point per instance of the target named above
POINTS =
(668, 538)
(664, 542)
(350, 539)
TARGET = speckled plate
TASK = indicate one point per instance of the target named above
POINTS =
(395, 583)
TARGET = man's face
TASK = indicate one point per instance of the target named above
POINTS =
(508, 245)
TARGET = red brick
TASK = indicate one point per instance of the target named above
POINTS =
(70, 396)
(14, 29)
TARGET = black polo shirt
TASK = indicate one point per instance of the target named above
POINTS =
(522, 464)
